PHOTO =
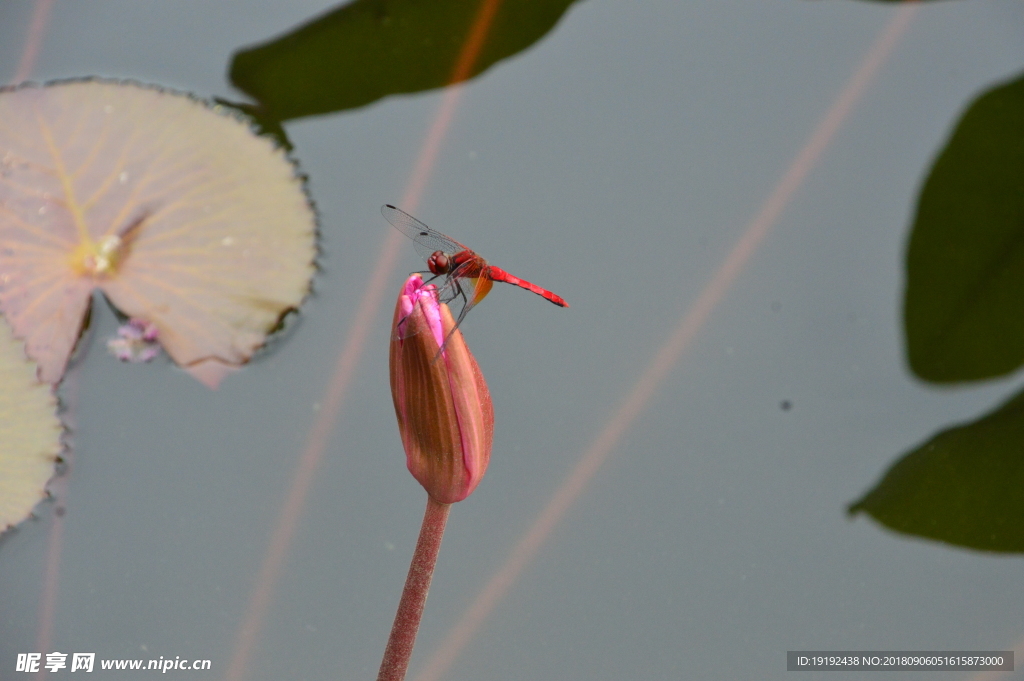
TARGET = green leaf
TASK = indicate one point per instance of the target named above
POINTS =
(369, 49)
(964, 304)
(965, 486)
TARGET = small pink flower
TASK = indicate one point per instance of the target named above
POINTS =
(136, 342)
(444, 410)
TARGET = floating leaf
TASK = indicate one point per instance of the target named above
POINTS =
(29, 432)
(964, 303)
(965, 486)
(369, 49)
(177, 212)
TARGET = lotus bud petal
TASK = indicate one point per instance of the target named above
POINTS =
(445, 415)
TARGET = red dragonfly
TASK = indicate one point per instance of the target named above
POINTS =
(467, 275)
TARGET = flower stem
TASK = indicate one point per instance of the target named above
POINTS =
(414, 596)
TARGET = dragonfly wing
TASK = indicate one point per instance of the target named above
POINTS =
(427, 240)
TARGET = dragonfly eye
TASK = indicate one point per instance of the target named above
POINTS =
(438, 262)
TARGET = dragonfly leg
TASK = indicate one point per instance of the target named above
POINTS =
(431, 279)
(461, 292)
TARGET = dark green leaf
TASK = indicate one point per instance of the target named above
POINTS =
(965, 486)
(369, 49)
(964, 305)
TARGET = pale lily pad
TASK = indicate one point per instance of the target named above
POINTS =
(173, 208)
(29, 432)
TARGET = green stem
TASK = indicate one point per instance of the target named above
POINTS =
(414, 596)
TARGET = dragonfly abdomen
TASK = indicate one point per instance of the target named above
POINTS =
(498, 274)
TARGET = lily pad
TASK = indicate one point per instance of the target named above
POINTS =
(29, 432)
(964, 486)
(173, 208)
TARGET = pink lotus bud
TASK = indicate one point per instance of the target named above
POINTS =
(444, 410)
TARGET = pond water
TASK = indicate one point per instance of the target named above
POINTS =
(723, 192)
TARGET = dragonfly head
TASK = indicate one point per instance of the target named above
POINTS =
(439, 263)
